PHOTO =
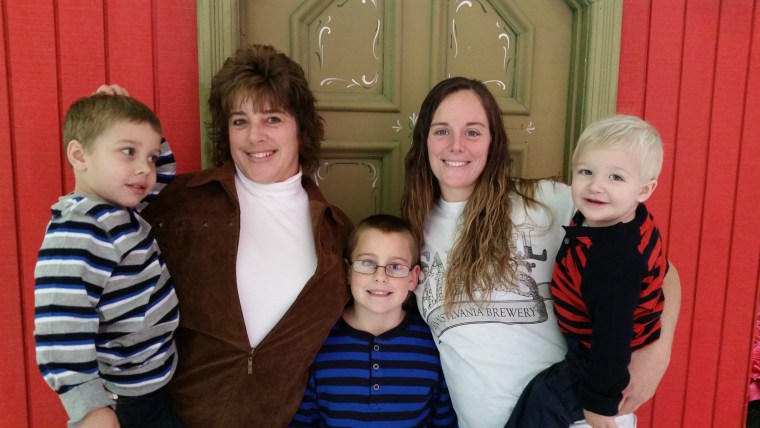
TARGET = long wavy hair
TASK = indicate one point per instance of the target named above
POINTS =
(266, 76)
(481, 255)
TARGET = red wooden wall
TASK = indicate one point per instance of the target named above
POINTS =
(52, 52)
(690, 67)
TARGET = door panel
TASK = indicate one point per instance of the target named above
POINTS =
(371, 62)
(350, 52)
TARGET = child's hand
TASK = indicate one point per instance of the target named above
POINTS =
(102, 417)
(111, 90)
(596, 420)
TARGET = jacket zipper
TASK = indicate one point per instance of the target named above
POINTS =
(317, 239)
(250, 360)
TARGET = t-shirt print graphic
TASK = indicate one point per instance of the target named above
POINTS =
(522, 302)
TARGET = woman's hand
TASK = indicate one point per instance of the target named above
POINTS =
(111, 90)
(647, 368)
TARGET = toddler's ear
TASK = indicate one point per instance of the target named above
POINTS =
(646, 190)
(76, 156)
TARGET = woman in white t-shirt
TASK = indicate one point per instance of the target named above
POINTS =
(489, 242)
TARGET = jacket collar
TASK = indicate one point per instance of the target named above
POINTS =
(225, 175)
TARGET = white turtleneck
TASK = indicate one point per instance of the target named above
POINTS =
(276, 254)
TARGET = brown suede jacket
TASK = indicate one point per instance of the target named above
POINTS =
(220, 380)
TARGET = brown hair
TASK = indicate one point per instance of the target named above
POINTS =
(385, 223)
(266, 76)
(480, 257)
(88, 117)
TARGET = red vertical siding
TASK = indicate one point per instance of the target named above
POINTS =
(13, 398)
(693, 64)
(130, 52)
(744, 249)
(689, 160)
(81, 56)
(51, 54)
(176, 77)
(720, 194)
(34, 73)
(634, 49)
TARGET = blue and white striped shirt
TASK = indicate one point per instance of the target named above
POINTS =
(391, 380)
(105, 308)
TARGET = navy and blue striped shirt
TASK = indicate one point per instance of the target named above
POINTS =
(391, 380)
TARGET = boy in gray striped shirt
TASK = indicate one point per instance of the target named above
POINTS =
(105, 307)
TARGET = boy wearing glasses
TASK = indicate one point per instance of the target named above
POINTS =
(379, 366)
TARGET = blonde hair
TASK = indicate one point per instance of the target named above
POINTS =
(480, 259)
(626, 133)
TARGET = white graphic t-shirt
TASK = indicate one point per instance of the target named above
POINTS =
(490, 351)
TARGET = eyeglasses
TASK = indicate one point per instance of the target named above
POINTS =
(393, 270)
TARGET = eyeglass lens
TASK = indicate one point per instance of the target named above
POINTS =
(394, 270)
